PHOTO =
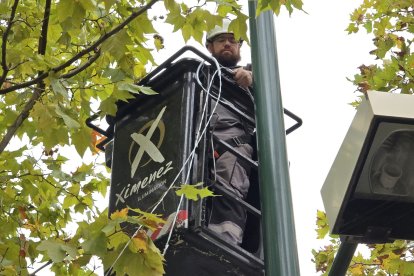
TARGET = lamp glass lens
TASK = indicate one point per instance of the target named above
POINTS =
(389, 166)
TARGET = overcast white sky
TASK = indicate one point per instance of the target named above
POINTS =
(315, 56)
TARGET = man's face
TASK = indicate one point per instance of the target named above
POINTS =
(225, 49)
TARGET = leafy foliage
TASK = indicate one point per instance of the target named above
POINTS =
(392, 25)
(62, 62)
(264, 5)
(377, 259)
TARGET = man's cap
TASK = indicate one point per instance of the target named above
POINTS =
(218, 30)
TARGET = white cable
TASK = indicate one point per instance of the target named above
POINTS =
(167, 243)
(214, 160)
(196, 143)
(218, 71)
(198, 139)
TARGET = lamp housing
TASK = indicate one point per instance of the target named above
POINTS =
(368, 193)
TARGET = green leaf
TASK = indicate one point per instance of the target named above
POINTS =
(69, 122)
(118, 240)
(70, 250)
(57, 250)
(130, 87)
(239, 27)
(147, 90)
(53, 136)
(186, 31)
(368, 26)
(224, 9)
(109, 4)
(137, 264)
(96, 244)
(322, 225)
(384, 45)
(176, 19)
(69, 201)
(352, 28)
(194, 193)
(114, 74)
(110, 227)
(136, 89)
(298, 4)
(82, 139)
(77, 18)
(407, 268)
(108, 106)
(88, 4)
(171, 5)
(43, 115)
(64, 9)
(148, 219)
(143, 25)
(139, 71)
(116, 44)
(275, 5)
(264, 5)
(158, 43)
(58, 87)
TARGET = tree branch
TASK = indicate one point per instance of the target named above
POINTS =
(4, 255)
(45, 25)
(41, 49)
(62, 189)
(82, 67)
(85, 51)
(11, 130)
(42, 267)
(39, 77)
(37, 91)
(42, 75)
(4, 43)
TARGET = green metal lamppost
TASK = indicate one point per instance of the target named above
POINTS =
(279, 238)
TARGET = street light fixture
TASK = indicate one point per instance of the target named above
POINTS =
(369, 192)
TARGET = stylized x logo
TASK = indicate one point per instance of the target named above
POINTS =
(146, 145)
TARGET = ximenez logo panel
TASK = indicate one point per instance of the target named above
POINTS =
(149, 149)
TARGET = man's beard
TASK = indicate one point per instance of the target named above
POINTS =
(227, 60)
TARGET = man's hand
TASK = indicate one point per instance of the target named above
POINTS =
(243, 77)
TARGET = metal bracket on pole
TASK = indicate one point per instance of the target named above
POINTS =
(343, 258)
